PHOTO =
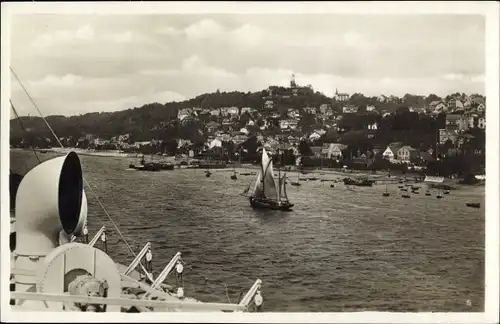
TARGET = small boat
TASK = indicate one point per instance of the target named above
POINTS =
(406, 196)
(473, 205)
(359, 183)
(447, 192)
(312, 179)
(208, 174)
(266, 194)
(427, 193)
(386, 193)
(439, 196)
(332, 186)
(233, 176)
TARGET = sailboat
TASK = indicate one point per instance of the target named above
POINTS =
(386, 193)
(233, 176)
(266, 194)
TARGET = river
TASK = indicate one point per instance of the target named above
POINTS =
(338, 250)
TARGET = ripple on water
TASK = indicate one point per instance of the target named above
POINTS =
(337, 250)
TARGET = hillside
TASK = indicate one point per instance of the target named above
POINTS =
(151, 120)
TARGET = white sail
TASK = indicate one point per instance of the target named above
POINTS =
(282, 185)
(258, 190)
(268, 177)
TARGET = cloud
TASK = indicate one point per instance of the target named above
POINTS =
(204, 29)
(86, 63)
(49, 39)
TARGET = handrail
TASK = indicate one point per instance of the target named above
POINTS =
(163, 275)
(248, 296)
(126, 302)
(97, 236)
(137, 259)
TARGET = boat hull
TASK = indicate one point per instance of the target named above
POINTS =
(359, 183)
(260, 203)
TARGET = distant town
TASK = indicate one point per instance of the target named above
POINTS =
(384, 132)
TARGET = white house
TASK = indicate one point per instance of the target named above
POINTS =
(215, 112)
(370, 108)
(349, 109)
(288, 124)
(341, 96)
(183, 113)
(332, 150)
(382, 98)
(373, 126)
(269, 104)
(391, 151)
(216, 142)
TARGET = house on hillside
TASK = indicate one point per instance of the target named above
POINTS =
(391, 151)
(183, 113)
(407, 154)
(229, 111)
(373, 126)
(332, 150)
(382, 98)
(247, 110)
(212, 126)
(371, 108)
(481, 122)
(341, 96)
(288, 124)
(393, 99)
(456, 122)
(215, 112)
(349, 109)
(455, 104)
(316, 134)
(445, 135)
(293, 113)
(269, 104)
(216, 142)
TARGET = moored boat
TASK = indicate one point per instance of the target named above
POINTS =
(359, 183)
(473, 205)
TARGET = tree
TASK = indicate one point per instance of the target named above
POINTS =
(304, 148)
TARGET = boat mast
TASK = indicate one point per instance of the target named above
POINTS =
(279, 177)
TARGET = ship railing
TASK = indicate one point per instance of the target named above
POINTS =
(94, 239)
(155, 304)
(163, 275)
(97, 236)
(137, 259)
(245, 301)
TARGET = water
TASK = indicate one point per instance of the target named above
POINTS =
(336, 251)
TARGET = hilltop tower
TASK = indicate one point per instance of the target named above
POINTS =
(293, 84)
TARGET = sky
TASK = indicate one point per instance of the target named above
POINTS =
(74, 64)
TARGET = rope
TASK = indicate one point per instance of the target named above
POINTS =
(36, 107)
(23, 128)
